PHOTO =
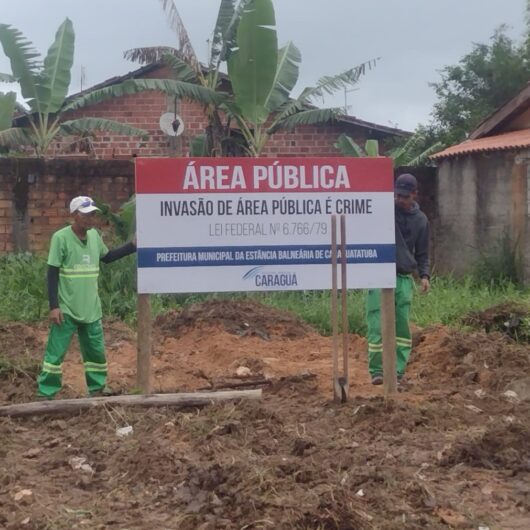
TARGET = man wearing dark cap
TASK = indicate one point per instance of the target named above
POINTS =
(412, 255)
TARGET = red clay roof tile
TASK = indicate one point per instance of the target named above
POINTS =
(500, 142)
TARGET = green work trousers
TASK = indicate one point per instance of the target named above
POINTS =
(403, 299)
(92, 345)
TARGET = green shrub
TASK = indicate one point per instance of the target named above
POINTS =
(498, 265)
(24, 297)
(23, 287)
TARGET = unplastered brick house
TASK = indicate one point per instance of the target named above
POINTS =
(34, 193)
(145, 109)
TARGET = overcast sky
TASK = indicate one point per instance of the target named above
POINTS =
(415, 39)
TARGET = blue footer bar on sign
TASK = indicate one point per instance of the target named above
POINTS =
(260, 255)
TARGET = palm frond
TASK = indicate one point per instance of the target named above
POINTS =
(182, 71)
(291, 107)
(231, 31)
(7, 109)
(198, 146)
(306, 117)
(15, 137)
(20, 108)
(24, 64)
(222, 25)
(409, 146)
(176, 24)
(404, 155)
(331, 84)
(371, 147)
(83, 125)
(289, 59)
(149, 54)
(422, 157)
(348, 147)
(55, 77)
(189, 91)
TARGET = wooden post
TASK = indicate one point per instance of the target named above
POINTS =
(345, 382)
(143, 374)
(334, 310)
(388, 331)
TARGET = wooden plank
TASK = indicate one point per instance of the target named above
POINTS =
(388, 331)
(345, 380)
(337, 393)
(144, 328)
(517, 104)
(184, 400)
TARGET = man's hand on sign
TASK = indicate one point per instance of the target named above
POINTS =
(56, 316)
(133, 240)
(425, 285)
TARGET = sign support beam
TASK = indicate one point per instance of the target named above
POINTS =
(144, 328)
(388, 331)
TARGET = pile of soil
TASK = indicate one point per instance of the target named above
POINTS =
(450, 452)
(509, 318)
(491, 360)
(240, 317)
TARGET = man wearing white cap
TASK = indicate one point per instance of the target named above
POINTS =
(73, 270)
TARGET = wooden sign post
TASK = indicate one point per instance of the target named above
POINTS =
(388, 332)
(144, 325)
(340, 383)
(260, 225)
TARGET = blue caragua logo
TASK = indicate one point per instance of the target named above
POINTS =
(261, 277)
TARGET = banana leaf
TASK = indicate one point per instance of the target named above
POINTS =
(56, 75)
(252, 67)
(7, 109)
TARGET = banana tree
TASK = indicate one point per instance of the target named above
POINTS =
(405, 155)
(7, 109)
(348, 147)
(263, 77)
(186, 67)
(44, 87)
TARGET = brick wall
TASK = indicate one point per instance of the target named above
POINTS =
(143, 110)
(35, 194)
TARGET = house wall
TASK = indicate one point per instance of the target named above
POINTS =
(35, 194)
(521, 121)
(482, 199)
(143, 110)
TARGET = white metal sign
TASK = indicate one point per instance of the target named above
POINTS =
(247, 224)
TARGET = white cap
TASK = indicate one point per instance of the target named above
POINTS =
(83, 204)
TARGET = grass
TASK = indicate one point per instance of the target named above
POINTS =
(23, 294)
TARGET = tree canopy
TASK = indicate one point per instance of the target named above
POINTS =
(482, 81)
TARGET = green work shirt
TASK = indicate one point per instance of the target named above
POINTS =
(78, 263)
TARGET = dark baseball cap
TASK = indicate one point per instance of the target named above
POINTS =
(405, 184)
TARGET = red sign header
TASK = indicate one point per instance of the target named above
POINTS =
(263, 175)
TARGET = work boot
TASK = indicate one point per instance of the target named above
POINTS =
(377, 379)
(102, 392)
(42, 397)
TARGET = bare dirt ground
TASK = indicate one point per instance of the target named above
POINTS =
(452, 451)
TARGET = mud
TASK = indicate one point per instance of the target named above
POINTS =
(449, 452)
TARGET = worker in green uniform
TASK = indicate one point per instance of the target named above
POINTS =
(73, 270)
(412, 255)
